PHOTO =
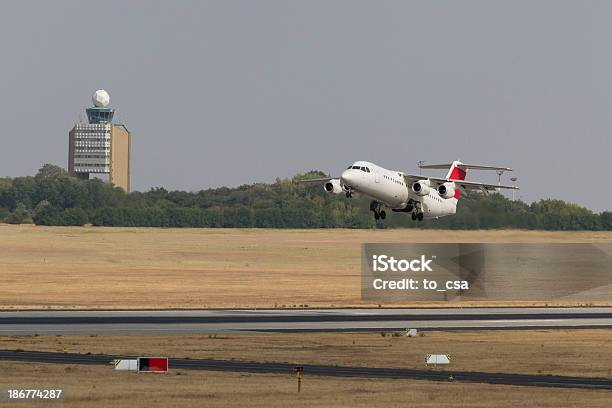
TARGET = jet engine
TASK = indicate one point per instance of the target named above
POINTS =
(421, 187)
(333, 186)
(446, 190)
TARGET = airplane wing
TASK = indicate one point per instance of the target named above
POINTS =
(315, 180)
(411, 178)
(463, 184)
(473, 185)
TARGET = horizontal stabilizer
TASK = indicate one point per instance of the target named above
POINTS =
(463, 166)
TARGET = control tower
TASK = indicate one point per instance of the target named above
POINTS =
(100, 146)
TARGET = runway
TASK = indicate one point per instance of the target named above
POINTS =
(325, 370)
(279, 320)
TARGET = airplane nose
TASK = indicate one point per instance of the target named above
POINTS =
(348, 177)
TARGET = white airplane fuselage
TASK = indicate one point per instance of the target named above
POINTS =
(389, 188)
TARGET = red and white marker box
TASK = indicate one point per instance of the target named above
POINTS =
(152, 364)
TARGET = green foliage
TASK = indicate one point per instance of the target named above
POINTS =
(51, 172)
(4, 212)
(75, 217)
(606, 220)
(47, 214)
(20, 215)
(53, 197)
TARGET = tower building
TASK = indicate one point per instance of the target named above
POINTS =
(100, 146)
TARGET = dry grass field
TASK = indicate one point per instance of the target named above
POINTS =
(564, 352)
(97, 386)
(585, 353)
(117, 268)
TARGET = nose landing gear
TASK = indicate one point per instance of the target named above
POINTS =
(376, 208)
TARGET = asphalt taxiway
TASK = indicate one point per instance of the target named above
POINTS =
(537, 380)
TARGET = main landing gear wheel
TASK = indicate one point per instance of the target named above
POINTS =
(420, 216)
(376, 215)
(383, 215)
(414, 216)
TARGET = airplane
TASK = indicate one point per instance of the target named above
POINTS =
(422, 197)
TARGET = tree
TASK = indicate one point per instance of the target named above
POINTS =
(74, 217)
(53, 197)
(51, 171)
(606, 220)
(19, 216)
(46, 214)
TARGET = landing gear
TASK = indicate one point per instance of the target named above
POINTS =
(376, 208)
(417, 213)
(349, 193)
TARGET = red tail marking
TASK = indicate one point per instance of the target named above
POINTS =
(457, 174)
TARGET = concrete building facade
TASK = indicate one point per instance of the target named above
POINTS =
(101, 146)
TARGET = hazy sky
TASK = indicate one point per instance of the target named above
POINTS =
(233, 92)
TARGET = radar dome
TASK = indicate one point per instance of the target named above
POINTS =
(100, 98)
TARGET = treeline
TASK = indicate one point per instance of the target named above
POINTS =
(53, 197)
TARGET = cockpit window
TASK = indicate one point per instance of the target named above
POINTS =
(365, 169)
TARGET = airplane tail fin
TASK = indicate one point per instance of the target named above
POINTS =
(456, 171)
